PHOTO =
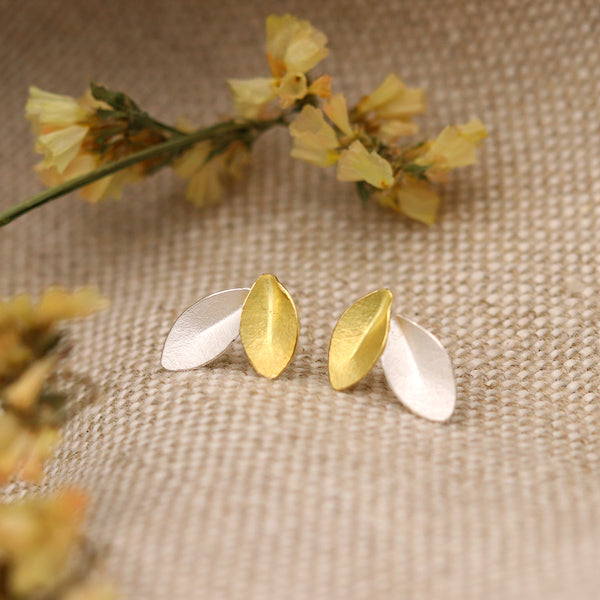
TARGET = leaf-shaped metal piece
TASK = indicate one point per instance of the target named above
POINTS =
(204, 331)
(359, 339)
(269, 326)
(419, 370)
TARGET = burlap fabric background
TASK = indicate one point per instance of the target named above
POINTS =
(217, 484)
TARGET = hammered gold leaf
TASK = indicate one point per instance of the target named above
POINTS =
(269, 326)
(359, 339)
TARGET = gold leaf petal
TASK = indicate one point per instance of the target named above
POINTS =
(359, 339)
(269, 326)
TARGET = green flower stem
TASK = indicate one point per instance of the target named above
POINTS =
(230, 129)
(164, 126)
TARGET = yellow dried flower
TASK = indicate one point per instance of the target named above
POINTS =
(38, 542)
(454, 147)
(28, 425)
(414, 198)
(60, 146)
(65, 130)
(22, 393)
(251, 96)
(49, 112)
(321, 86)
(207, 174)
(336, 109)
(315, 140)
(24, 450)
(356, 163)
(55, 304)
(110, 186)
(389, 109)
(291, 87)
(294, 47)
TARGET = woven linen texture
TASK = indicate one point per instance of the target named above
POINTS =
(218, 484)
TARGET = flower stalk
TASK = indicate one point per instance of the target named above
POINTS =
(248, 131)
(99, 143)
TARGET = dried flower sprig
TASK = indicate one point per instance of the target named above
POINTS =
(101, 142)
(43, 554)
(32, 411)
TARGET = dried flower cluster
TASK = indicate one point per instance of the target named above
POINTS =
(31, 410)
(42, 550)
(104, 140)
(363, 142)
(78, 135)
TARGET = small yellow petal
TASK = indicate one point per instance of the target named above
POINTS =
(315, 140)
(310, 126)
(46, 108)
(392, 99)
(49, 176)
(321, 86)
(291, 87)
(82, 163)
(252, 95)
(23, 451)
(25, 391)
(97, 191)
(337, 110)
(293, 45)
(205, 185)
(38, 538)
(63, 126)
(390, 131)
(410, 103)
(117, 181)
(237, 160)
(475, 131)
(18, 309)
(358, 164)
(391, 88)
(314, 155)
(41, 448)
(61, 146)
(418, 201)
(58, 304)
(193, 160)
(279, 31)
(306, 49)
(454, 147)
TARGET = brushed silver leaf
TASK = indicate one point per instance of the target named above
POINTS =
(204, 331)
(418, 370)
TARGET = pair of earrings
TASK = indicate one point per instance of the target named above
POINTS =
(416, 365)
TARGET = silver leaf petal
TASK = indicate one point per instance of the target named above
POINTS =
(204, 331)
(419, 370)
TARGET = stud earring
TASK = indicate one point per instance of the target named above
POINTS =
(264, 316)
(416, 365)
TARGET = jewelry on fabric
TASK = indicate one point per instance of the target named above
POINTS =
(265, 317)
(416, 365)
